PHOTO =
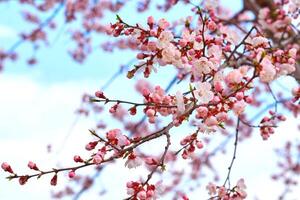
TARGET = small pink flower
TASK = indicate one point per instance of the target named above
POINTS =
(211, 25)
(203, 92)
(97, 159)
(234, 77)
(268, 70)
(239, 107)
(211, 121)
(163, 24)
(212, 188)
(240, 188)
(133, 161)
(201, 112)
(259, 41)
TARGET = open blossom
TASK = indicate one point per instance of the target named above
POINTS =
(215, 51)
(234, 77)
(268, 71)
(203, 92)
(240, 188)
(164, 39)
(133, 161)
(180, 102)
(99, 156)
(202, 66)
(163, 24)
(169, 54)
(212, 188)
(116, 137)
(259, 41)
(230, 35)
(239, 107)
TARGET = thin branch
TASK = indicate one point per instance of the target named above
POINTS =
(234, 153)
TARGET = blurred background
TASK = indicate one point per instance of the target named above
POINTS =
(38, 111)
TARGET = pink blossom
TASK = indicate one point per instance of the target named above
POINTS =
(201, 112)
(163, 24)
(203, 92)
(211, 121)
(239, 107)
(215, 51)
(259, 41)
(164, 39)
(202, 66)
(212, 188)
(268, 70)
(234, 76)
(240, 188)
(97, 159)
(133, 161)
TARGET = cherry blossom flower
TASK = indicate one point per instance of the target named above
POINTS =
(133, 161)
(268, 70)
(212, 188)
(164, 39)
(239, 107)
(202, 66)
(203, 92)
(259, 41)
(240, 188)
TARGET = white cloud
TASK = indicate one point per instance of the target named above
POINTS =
(32, 116)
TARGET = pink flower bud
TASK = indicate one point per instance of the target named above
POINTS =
(32, 165)
(54, 180)
(23, 180)
(77, 158)
(71, 174)
(199, 144)
(91, 145)
(6, 167)
(150, 20)
(100, 95)
(249, 100)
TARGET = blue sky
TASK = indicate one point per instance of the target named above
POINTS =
(37, 108)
